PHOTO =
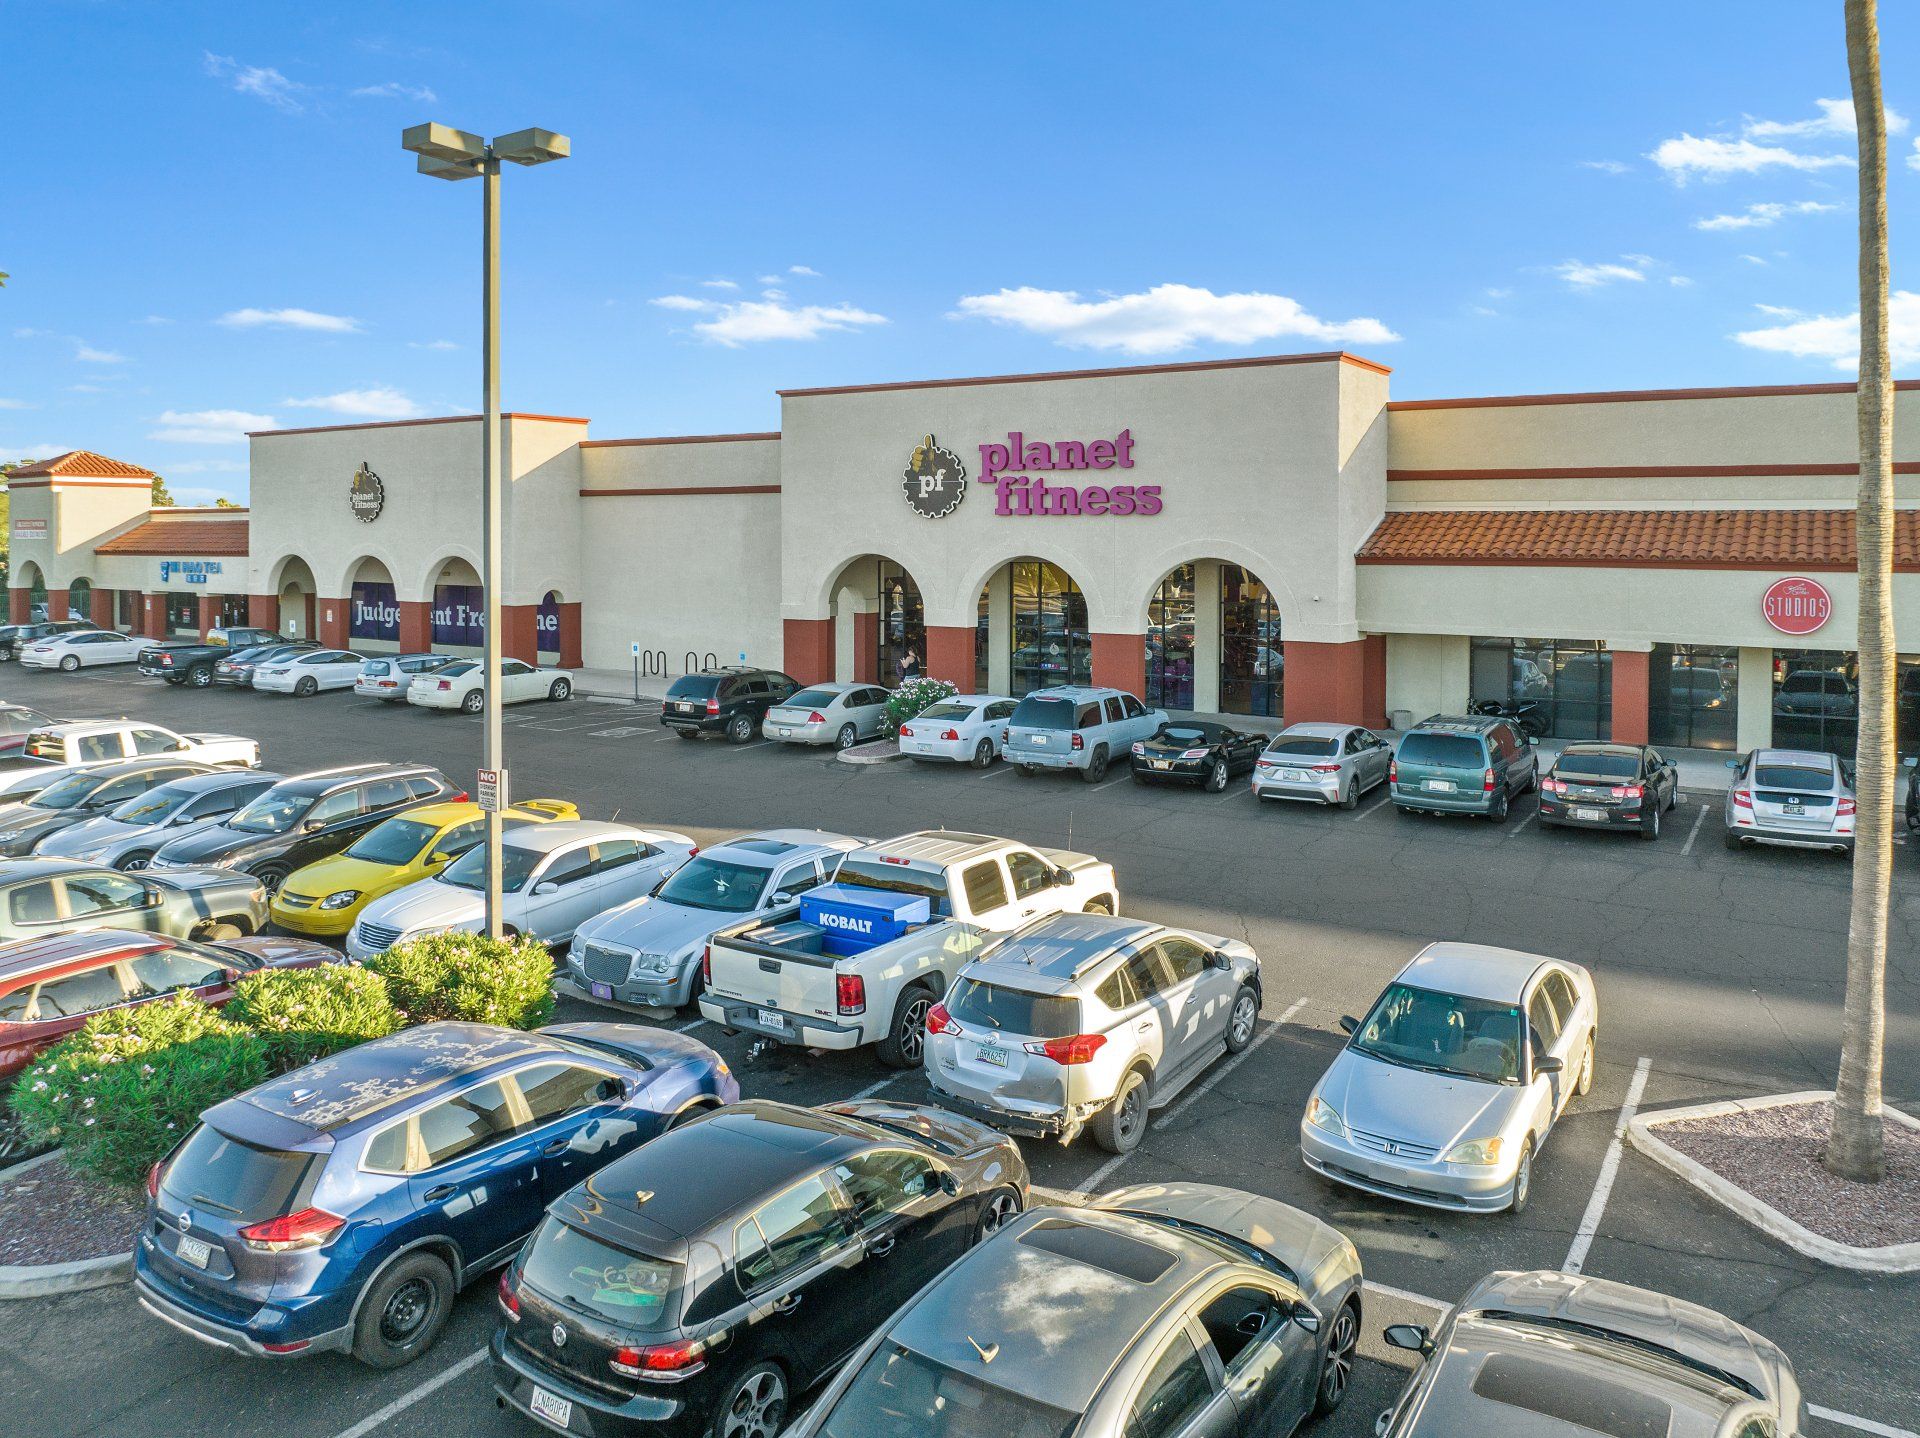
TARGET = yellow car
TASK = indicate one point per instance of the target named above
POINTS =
(324, 899)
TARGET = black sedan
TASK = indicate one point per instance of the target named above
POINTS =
(1196, 752)
(1610, 786)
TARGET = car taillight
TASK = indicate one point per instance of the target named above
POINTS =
(443, 685)
(816, 717)
(939, 1021)
(1326, 768)
(905, 733)
(676, 1360)
(1486, 782)
(1079, 1049)
(509, 1300)
(1193, 753)
(713, 706)
(1393, 771)
(706, 964)
(1079, 741)
(1742, 799)
(166, 661)
(1848, 806)
(153, 1179)
(1553, 786)
(951, 735)
(309, 1228)
(850, 993)
(1627, 791)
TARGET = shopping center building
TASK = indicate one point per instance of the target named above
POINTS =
(1272, 537)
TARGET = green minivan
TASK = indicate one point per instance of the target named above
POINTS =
(1462, 764)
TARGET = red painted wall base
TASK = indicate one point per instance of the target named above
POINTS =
(808, 645)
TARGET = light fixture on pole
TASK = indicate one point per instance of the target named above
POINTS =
(449, 154)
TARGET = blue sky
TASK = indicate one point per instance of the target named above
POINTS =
(211, 226)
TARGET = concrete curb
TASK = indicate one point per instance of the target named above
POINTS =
(37, 1280)
(876, 751)
(1893, 1258)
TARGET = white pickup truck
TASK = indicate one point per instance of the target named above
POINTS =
(56, 750)
(860, 960)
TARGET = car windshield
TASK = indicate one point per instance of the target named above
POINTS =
(1793, 776)
(151, 807)
(899, 1394)
(993, 1006)
(1442, 751)
(1037, 713)
(635, 1291)
(1445, 1033)
(469, 871)
(395, 842)
(242, 1181)
(812, 699)
(274, 812)
(947, 709)
(710, 883)
(65, 793)
(1597, 766)
(1311, 745)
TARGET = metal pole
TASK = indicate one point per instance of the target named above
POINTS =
(492, 756)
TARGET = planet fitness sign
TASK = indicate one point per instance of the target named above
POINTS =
(1011, 467)
(457, 615)
(1796, 606)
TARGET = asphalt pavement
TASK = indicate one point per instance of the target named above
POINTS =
(1720, 975)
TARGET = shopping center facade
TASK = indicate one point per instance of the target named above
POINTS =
(1272, 537)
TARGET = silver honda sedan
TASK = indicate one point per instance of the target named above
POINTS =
(1449, 1086)
(1791, 796)
(1322, 763)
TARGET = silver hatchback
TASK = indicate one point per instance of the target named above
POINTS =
(1791, 796)
(1089, 1020)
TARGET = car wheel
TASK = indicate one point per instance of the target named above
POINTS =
(403, 1312)
(1242, 1018)
(128, 863)
(739, 729)
(983, 754)
(1217, 777)
(1350, 797)
(905, 1045)
(1096, 769)
(1119, 1127)
(1522, 1180)
(271, 877)
(1584, 1085)
(560, 689)
(1002, 1208)
(1501, 804)
(473, 701)
(755, 1405)
(200, 676)
(306, 687)
(216, 933)
(848, 736)
(688, 1114)
(1650, 823)
(1731, 840)
(69, 664)
(1100, 905)
(686, 733)
(1336, 1367)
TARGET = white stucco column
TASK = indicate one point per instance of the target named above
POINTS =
(1753, 727)
(1206, 636)
(1000, 631)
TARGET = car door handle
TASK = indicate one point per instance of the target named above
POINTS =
(556, 1145)
(439, 1191)
(1145, 1026)
(880, 1248)
(787, 1304)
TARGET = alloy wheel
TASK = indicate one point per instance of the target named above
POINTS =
(1245, 1011)
(1217, 777)
(1338, 1368)
(1132, 1113)
(913, 1029)
(759, 1405)
(1002, 1209)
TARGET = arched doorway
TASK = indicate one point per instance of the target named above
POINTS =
(880, 622)
(458, 612)
(1031, 630)
(373, 605)
(80, 598)
(296, 589)
(1213, 641)
(546, 624)
(29, 578)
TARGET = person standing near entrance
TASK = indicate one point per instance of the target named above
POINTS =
(909, 664)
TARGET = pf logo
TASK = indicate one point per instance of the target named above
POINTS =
(936, 480)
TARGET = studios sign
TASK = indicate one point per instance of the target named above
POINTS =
(935, 480)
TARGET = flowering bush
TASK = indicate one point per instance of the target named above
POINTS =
(305, 1014)
(469, 977)
(911, 698)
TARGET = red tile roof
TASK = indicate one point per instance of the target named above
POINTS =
(1630, 538)
(80, 464)
(190, 534)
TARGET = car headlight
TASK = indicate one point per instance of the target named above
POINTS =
(7, 836)
(1479, 1152)
(340, 900)
(658, 965)
(1323, 1115)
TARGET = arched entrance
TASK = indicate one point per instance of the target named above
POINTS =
(80, 598)
(1214, 643)
(1031, 631)
(296, 589)
(458, 613)
(29, 578)
(373, 605)
(879, 622)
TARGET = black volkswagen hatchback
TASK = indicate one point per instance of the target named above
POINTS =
(701, 1283)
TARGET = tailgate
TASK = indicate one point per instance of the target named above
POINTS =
(791, 980)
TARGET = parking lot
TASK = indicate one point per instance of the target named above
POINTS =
(1720, 975)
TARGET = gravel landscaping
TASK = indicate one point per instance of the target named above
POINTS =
(1775, 1154)
(48, 1215)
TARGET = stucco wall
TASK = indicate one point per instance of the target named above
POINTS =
(1427, 674)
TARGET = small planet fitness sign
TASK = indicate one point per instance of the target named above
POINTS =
(1797, 605)
(366, 495)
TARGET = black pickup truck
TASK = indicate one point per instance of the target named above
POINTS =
(187, 662)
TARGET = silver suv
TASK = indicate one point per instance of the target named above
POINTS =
(1088, 1020)
(1791, 796)
(1071, 727)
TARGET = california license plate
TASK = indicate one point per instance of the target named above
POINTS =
(992, 1054)
(600, 991)
(555, 1409)
(1792, 808)
(1039, 738)
(1159, 763)
(772, 1019)
(193, 1250)
(784, 733)
(1591, 816)
(1293, 776)
(1439, 786)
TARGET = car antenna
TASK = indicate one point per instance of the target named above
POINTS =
(987, 1354)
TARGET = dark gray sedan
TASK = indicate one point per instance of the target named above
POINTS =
(49, 896)
(1164, 1308)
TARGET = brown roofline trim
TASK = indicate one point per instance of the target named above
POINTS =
(683, 489)
(1123, 372)
(1631, 396)
(1778, 566)
(1642, 471)
(80, 482)
(144, 550)
(213, 511)
(409, 423)
(676, 439)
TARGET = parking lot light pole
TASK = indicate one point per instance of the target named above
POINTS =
(449, 154)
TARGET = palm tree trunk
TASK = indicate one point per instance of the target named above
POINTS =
(1855, 1143)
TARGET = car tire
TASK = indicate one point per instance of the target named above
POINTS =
(69, 664)
(1217, 777)
(272, 876)
(305, 687)
(905, 1046)
(403, 1311)
(1650, 824)
(739, 729)
(130, 863)
(1350, 798)
(687, 733)
(1501, 806)
(1096, 769)
(560, 689)
(1522, 1179)
(691, 1112)
(848, 736)
(200, 676)
(983, 754)
(473, 701)
(172, 680)
(1336, 1363)
(218, 931)
(754, 1404)
(1583, 1085)
(1243, 1018)
(1001, 1208)
(1099, 904)
(1119, 1127)
(1730, 839)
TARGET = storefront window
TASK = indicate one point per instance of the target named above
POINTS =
(183, 613)
(1816, 701)
(903, 626)
(1170, 642)
(233, 609)
(1252, 666)
(127, 608)
(1050, 640)
(1693, 696)
(1570, 680)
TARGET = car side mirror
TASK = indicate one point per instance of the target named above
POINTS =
(546, 886)
(1413, 1337)
(313, 826)
(1733, 763)
(949, 1185)
(1062, 878)
(1382, 1423)
(150, 899)
(183, 746)
(1218, 960)
(782, 896)
(1548, 1064)
(1349, 1024)
(437, 858)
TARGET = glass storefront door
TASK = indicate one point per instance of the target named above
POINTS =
(1816, 701)
(1047, 629)
(1570, 679)
(1252, 665)
(1693, 696)
(1170, 619)
(183, 614)
(902, 626)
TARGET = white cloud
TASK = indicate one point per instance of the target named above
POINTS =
(394, 90)
(1913, 160)
(377, 402)
(209, 426)
(1753, 259)
(1836, 338)
(773, 293)
(87, 354)
(34, 448)
(156, 320)
(17, 404)
(1583, 276)
(772, 279)
(87, 389)
(1164, 319)
(1678, 281)
(1835, 119)
(1691, 155)
(1496, 292)
(1607, 167)
(1762, 215)
(290, 319)
(807, 270)
(720, 284)
(208, 466)
(741, 322)
(261, 82)
(432, 345)
(681, 302)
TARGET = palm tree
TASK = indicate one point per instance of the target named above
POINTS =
(1855, 1143)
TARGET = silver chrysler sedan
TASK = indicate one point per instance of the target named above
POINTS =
(1160, 1309)
(1449, 1086)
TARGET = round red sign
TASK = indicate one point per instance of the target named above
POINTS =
(1796, 606)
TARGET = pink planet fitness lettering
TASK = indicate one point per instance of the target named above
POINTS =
(1010, 468)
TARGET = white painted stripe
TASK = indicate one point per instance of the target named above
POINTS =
(1694, 832)
(412, 1396)
(1094, 1179)
(760, 744)
(689, 1028)
(1865, 1425)
(871, 1089)
(1384, 802)
(1214, 1078)
(1387, 1290)
(1522, 824)
(1609, 1170)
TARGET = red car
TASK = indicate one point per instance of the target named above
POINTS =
(16, 722)
(49, 986)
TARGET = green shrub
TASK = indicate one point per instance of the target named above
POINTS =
(470, 977)
(305, 1014)
(911, 698)
(121, 1092)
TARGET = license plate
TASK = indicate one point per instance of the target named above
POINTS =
(1293, 776)
(1439, 786)
(600, 991)
(1040, 739)
(992, 1054)
(1591, 816)
(784, 733)
(556, 1410)
(1159, 763)
(1794, 808)
(193, 1250)
(772, 1019)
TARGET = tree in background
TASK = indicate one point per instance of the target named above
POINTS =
(162, 499)
(6, 524)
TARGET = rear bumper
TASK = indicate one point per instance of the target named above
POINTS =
(1323, 790)
(433, 698)
(803, 1030)
(698, 723)
(798, 733)
(1475, 801)
(1591, 816)
(1791, 838)
(1176, 772)
(671, 1411)
(959, 751)
(1049, 758)
(379, 691)
(270, 1325)
(1036, 1122)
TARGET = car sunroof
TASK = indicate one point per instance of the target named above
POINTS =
(1097, 1248)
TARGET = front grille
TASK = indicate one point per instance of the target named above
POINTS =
(291, 900)
(604, 966)
(1394, 1147)
(376, 936)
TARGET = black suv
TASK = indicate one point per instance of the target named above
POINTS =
(307, 818)
(15, 637)
(731, 701)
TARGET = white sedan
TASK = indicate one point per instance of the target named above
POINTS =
(81, 649)
(837, 714)
(964, 728)
(308, 673)
(554, 877)
(459, 685)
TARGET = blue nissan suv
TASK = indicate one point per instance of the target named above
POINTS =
(341, 1206)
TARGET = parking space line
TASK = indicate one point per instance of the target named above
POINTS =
(1865, 1425)
(690, 1027)
(995, 771)
(761, 744)
(1213, 1079)
(871, 1089)
(1609, 1170)
(1522, 824)
(1694, 832)
(1381, 803)
(412, 1396)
